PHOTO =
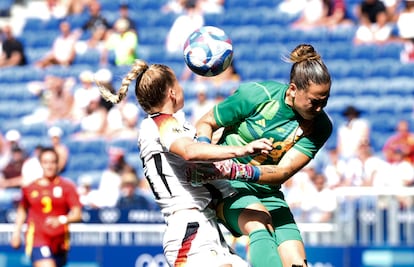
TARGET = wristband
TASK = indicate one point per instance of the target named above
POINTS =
(203, 139)
(63, 219)
(247, 173)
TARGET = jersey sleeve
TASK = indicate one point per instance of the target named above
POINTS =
(239, 105)
(170, 129)
(71, 195)
(24, 201)
(310, 145)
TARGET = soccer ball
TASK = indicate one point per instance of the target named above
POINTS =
(208, 51)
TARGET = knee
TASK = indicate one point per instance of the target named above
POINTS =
(253, 220)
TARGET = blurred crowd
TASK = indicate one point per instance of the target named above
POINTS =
(351, 161)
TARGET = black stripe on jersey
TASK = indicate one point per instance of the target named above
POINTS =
(158, 165)
(150, 183)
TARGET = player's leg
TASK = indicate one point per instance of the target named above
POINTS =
(193, 239)
(42, 257)
(44, 263)
(292, 253)
(288, 237)
(245, 215)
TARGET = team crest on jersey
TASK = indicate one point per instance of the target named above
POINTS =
(176, 130)
(57, 191)
(34, 194)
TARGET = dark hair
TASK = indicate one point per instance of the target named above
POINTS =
(45, 150)
(307, 67)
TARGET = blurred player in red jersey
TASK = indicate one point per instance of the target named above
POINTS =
(49, 204)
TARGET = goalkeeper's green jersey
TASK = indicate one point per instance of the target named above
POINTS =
(257, 110)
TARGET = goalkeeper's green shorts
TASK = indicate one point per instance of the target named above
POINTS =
(282, 218)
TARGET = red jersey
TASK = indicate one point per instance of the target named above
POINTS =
(41, 201)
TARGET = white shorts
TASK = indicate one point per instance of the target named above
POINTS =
(193, 238)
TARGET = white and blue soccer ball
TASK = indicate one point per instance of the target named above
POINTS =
(208, 51)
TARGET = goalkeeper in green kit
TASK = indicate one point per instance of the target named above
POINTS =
(292, 117)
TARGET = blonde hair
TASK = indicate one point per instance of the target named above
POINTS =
(151, 85)
(307, 67)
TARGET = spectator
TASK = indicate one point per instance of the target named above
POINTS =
(76, 7)
(352, 133)
(123, 121)
(124, 14)
(334, 169)
(374, 26)
(296, 188)
(104, 77)
(84, 189)
(108, 191)
(173, 6)
(11, 139)
(4, 155)
(94, 124)
(131, 197)
(55, 134)
(31, 169)
(12, 50)
(56, 9)
(191, 19)
(228, 76)
(202, 103)
(323, 13)
(122, 43)
(291, 8)
(400, 172)
(56, 100)
(96, 20)
(83, 94)
(12, 172)
(212, 6)
(365, 169)
(63, 50)
(401, 142)
(95, 43)
(312, 15)
(319, 203)
(404, 23)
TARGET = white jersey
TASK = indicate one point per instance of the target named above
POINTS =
(165, 171)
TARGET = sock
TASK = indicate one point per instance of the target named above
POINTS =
(263, 249)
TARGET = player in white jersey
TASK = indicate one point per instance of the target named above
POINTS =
(167, 145)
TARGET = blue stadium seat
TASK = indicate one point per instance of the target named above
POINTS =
(364, 52)
(128, 145)
(87, 162)
(16, 91)
(20, 74)
(390, 51)
(385, 68)
(5, 7)
(90, 57)
(96, 146)
(34, 39)
(153, 35)
(77, 20)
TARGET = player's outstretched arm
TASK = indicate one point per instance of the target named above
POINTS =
(204, 152)
(16, 239)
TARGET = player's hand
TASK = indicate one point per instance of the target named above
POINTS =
(260, 146)
(52, 221)
(15, 241)
(200, 173)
